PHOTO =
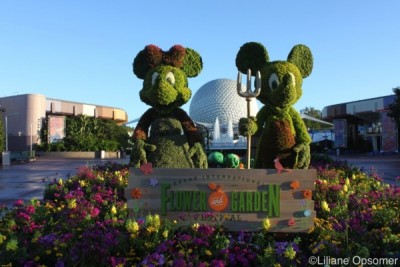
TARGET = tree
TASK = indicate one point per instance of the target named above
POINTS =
(317, 114)
(84, 133)
(394, 108)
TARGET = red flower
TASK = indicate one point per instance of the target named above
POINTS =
(146, 168)
(136, 193)
(291, 222)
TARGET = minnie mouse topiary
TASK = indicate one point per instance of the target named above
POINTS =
(165, 135)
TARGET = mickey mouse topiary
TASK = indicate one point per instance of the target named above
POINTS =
(165, 135)
(282, 132)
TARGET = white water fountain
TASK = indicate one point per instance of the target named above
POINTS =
(229, 134)
(216, 132)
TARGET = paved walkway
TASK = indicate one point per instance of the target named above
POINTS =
(27, 180)
(386, 166)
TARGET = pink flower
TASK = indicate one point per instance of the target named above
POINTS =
(19, 202)
(291, 222)
(95, 212)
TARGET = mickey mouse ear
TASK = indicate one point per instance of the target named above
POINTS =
(301, 56)
(251, 56)
(150, 57)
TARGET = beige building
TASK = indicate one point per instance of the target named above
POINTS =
(23, 116)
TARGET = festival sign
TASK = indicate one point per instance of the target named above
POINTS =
(235, 198)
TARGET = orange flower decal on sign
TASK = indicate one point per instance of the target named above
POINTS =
(217, 200)
(307, 194)
(136, 193)
(294, 185)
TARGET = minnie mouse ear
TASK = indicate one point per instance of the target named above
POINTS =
(150, 57)
(192, 63)
(174, 57)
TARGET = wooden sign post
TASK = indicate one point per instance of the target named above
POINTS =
(237, 199)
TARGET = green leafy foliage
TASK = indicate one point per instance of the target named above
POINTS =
(85, 133)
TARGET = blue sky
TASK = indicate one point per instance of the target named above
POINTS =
(83, 50)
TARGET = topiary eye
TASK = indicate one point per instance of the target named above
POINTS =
(273, 81)
(154, 77)
(170, 78)
(293, 79)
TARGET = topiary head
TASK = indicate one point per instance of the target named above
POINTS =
(164, 74)
(281, 81)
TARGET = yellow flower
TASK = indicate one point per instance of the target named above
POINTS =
(60, 181)
(113, 210)
(82, 183)
(347, 181)
(71, 203)
(165, 234)
(151, 229)
(37, 258)
(132, 226)
(266, 224)
(195, 226)
(290, 253)
(325, 206)
(208, 252)
(2, 238)
(12, 245)
(345, 188)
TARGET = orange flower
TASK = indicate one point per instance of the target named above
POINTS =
(307, 194)
(136, 193)
(294, 185)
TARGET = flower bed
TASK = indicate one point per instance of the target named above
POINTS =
(83, 221)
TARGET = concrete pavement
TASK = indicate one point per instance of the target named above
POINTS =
(28, 180)
(386, 166)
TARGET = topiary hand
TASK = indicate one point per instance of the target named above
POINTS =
(138, 154)
(248, 126)
(303, 156)
(198, 156)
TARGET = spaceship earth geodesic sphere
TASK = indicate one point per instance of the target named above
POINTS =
(219, 99)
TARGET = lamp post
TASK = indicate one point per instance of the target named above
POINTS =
(6, 154)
